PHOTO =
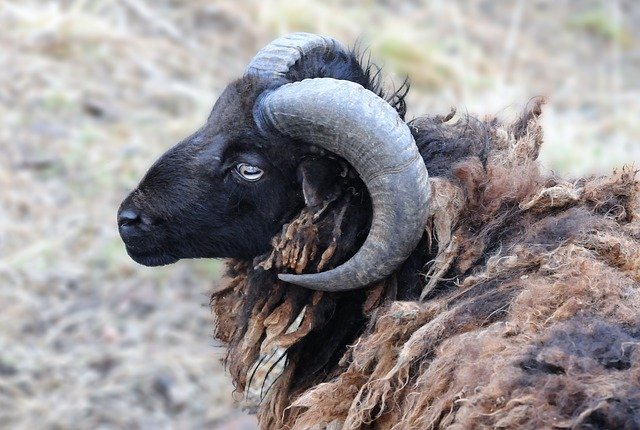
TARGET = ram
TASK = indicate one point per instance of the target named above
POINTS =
(416, 275)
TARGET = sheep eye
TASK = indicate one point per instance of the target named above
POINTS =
(249, 172)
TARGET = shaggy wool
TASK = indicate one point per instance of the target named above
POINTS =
(528, 314)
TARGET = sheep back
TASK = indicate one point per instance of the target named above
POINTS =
(529, 314)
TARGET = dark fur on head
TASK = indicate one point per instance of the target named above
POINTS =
(193, 203)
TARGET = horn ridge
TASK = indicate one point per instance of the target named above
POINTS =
(345, 118)
(275, 60)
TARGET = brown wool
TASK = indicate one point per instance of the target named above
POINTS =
(539, 327)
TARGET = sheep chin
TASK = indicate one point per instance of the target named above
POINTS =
(152, 260)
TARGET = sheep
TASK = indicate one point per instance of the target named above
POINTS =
(417, 275)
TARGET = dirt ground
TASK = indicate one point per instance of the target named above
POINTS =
(92, 91)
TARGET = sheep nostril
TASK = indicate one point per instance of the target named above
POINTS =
(129, 217)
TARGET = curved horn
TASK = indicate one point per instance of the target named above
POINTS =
(275, 59)
(348, 120)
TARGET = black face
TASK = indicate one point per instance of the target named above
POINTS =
(227, 190)
(218, 193)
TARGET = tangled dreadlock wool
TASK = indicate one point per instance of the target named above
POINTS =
(528, 314)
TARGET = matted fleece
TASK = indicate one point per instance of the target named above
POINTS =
(527, 316)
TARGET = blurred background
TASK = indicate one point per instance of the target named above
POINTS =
(92, 91)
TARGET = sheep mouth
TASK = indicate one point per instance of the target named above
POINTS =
(151, 260)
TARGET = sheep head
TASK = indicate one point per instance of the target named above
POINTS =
(228, 188)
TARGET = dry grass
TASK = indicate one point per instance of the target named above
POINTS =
(91, 91)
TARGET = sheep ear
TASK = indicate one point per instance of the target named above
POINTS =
(319, 179)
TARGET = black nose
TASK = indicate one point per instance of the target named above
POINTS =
(129, 217)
